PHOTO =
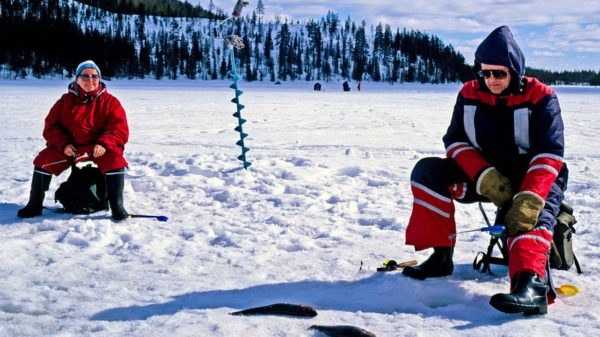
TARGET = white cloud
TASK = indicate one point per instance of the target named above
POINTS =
(433, 24)
(464, 16)
(546, 53)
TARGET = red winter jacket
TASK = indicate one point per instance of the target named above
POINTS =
(87, 119)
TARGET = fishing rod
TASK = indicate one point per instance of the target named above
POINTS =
(496, 230)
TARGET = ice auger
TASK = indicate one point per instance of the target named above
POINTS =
(235, 42)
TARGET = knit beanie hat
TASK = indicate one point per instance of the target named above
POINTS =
(85, 65)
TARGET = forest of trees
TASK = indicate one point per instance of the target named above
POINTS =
(50, 37)
(45, 38)
(565, 77)
(38, 37)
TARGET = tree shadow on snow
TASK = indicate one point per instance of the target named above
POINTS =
(380, 293)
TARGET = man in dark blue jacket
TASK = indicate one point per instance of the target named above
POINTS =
(504, 144)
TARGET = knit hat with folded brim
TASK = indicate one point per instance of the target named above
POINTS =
(85, 65)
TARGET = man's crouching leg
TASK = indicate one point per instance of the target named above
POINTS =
(435, 182)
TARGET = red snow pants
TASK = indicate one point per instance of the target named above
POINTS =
(437, 182)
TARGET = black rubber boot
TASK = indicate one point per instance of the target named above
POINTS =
(529, 296)
(437, 265)
(115, 181)
(40, 182)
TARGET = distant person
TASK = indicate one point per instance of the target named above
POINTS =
(358, 86)
(504, 144)
(346, 86)
(317, 87)
(87, 119)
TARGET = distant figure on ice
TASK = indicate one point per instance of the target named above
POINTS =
(358, 86)
(346, 86)
(87, 119)
(504, 144)
(317, 87)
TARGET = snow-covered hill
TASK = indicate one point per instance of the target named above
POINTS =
(328, 188)
(136, 46)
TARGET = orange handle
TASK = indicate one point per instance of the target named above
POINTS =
(407, 263)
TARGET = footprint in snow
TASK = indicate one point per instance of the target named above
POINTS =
(351, 171)
(223, 241)
(376, 183)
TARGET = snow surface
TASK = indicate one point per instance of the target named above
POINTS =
(328, 188)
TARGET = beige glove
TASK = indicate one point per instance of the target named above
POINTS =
(494, 186)
(523, 214)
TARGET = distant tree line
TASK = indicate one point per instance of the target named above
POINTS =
(565, 77)
(329, 49)
(49, 37)
(39, 37)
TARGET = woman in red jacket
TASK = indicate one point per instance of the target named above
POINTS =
(87, 119)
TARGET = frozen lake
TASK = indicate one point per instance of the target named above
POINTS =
(328, 188)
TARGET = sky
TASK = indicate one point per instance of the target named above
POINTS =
(554, 35)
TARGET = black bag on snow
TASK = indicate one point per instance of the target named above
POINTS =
(562, 255)
(84, 192)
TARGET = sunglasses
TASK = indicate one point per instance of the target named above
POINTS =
(499, 74)
(88, 76)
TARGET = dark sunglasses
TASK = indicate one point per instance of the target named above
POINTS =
(88, 76)
(499, 74)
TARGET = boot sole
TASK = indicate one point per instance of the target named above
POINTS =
(28, 214)
(515, 308)
(418, 274)
(120, 218)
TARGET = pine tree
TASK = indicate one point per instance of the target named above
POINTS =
(375, 70)
(268, 43)
(159, 69)
(223, 68)
(345, 61)
(260, 8)
(144, 58)
(173, 59)
(360, 54)
(283, 39)
(387, 43)
(336, 59)
(184, 56)
(395, 70)
(249, 76)
(378, 40)
(195, 55)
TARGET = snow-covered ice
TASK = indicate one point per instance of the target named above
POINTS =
(328, 188)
